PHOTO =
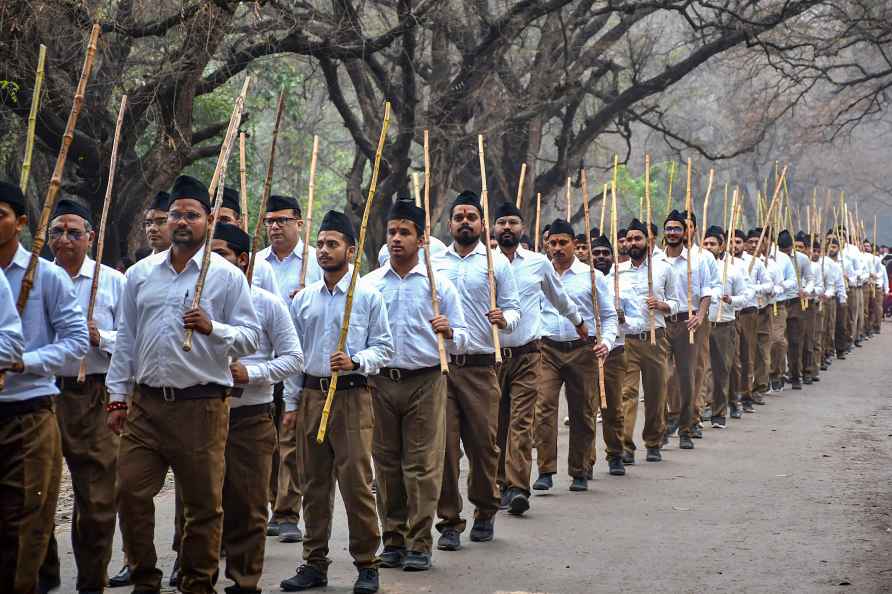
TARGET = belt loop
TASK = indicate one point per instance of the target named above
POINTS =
(168, 394)
(395, 375)
(507, 353)
(460, 360)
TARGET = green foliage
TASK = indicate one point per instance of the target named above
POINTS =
(630, 195)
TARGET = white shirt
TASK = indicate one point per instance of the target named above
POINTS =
(634, 293)
(805, 279)
(704, 281)
(760, 280)
(317, 314)
(737, 286)
(578, 285)
(278, 355)
(437, 248)
(287, 270)
(469, 275)
(409, 312)
(264, 277)
(536, 281)
(834, 286)
(12, 343)
(818, 276)
(149, 348)
(853, 265)
(111, 287)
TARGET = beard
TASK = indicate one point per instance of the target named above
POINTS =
(507, 240)
(636, 253)
(185, 237)
(602, 265)
(466, 236)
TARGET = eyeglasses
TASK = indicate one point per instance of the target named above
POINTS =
(73, 234)
(190, 216)
(673, 229)
(159, 222)
(280, 221)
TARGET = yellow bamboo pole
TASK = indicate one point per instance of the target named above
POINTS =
(523, 174)
(603, 210)
(416, 188)
(703, 222)
(689, 205)
(538, 217)
(728, 255)
(243, 180)
(669, 188)
(568, 198)
(308, 218)
(32, 119)
(432, 279)
(614, 227)
(596, 304)
(490, 267)
(650, 272)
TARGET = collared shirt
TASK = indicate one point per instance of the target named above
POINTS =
(409, 312)
(287, 269)
(469, 275)
(633, 290)
(805, 279)
(704, 276)
(578, 285)
(785, 284)
(149, 349)
(53, 324)
(12, 343)
(760, 280)
(264, 277)
(853, 265)
(737, 286)
(317, 314)
(278, 355)
(876, 269)
(834, 285)
(437, 248)
(111, 287)
(818, 276)
(536, 281)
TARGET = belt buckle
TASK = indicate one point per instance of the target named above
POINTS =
(324, 383)
(168, 394)
(507, 353)
(395, 374)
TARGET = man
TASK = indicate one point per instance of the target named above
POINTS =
(54, 331)
(853, 266)
(536, 281)
(155, 223)
(252, 432)
(735, 293)
(582, 249)
(172, 389)
(819, 304)
(231, 214)
(88, 445)
(803, 245)
(12, 343)
(750, 368)
(878, 282)
(284, 226)
(682, 385)
(345, 457)
(409, 443)
(472, 405)
(570, 361)
(780, 266)
(841, 340)
(834, 294)
(437, 247)
(621, 247)
(795, 300)
(645, 361)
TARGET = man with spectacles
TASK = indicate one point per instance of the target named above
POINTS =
(154, 223)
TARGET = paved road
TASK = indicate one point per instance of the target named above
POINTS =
(794, 498)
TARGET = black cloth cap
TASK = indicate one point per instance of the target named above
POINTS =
(601, 241)
(66, 206)
(282, 203)
(12, 195)
(801, 236)
(581, 238)
(717, 232)
(738, 233)
(637, 225)
(594, 232)
(621, 233)
(189, 187)
(237, 239)
(525, 239)
(561, 227)
(161, 201)
(338, 221)
(678, 217)
(231, 200)
(784, 240)
(693, 216)
(468, 198)
(404, 208)
(507, 209)
(754, 233)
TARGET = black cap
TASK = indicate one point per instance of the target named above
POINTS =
(282, 203)
(693, 216)
(802, 237)
(561, 227)
(338, 221)
(507, 209)
(188, 187)
(66, 206)
(717, 232)
(678, 217)
(581, 238)
(231, 200)
(237, 239)
(754, 233)
(621, 233)
(637, 225)
(594, 232)
(12, 195)
(784, 240)
(468, 198)
(161, 201)
(739, 234)
(601, 241)
(404, 208)
(525, 239)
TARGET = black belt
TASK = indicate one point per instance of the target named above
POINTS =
(792, 301)
(717, 324)
(197, 392)
(568, 345)
(250, 410)
(18, 408)
(345, 382)
(748, 310)
(680, 317)
(645, 336)
(524, 349)
(478, 360)
(395, 374)
(71, 383)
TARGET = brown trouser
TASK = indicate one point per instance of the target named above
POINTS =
(286, 495)
(649, 362)
(408, 449)
(612, 419)
(472, 413)
(702, 375)
(817, 338)
(576, 371)
(90, 449)
(762, 363)
(344, 457)
(682, 373)
(829, 330)
(518, 377)
(855, 314)
(745, 363)
(867, 299)
(30, 472)
(795, 338)
(188, 436)
(876, 312)
(249, 457)
(778, 342)
(808, 339)
(722, 338)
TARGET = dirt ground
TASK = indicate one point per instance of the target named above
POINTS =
(794, 498)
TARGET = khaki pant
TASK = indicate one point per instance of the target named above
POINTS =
(866, 299)
(286, 496)
(876, 312)
(702, 375)
(808, 339)
(649, 362)
(722, 339)
(30, 471)
(189, 437)
(796, 317)
(778, 342)
(828, 342)
(762, 363)
(842, 330)
(472, 413)
(682, 373)
(612, 420)
(817, 342)
(856, 313)
(90, 450)
(518, 379)
(409, 447)
(249, 456)
(744, 364)
(345, 458)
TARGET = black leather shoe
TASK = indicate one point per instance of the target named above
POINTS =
(46, 584)
(290, 532)
(748, 407)
(580, 483)
(307, 577)
(807, 381)
(120, 579)
(628, 458)
(544, 482)
(392, 557)
(840, 355)
(505, 499)
(615, 466)
(174, 573)
(654, 455)
(366, 582)
(483, 530)
(815, 379)
(272, 528)
(518, 502)
(736, 413)
(797, 385)
(697, 432)
(417, 561)
(685, 442)
(450, 540)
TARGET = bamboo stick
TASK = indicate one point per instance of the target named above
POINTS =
(100, 241)
(596, 304)
(416, 189)
(568, 198)
(703, 222)
(523, 174)
(603, 210)
(724, 207)
(308, 218)
(614, 227)
(613, 183)
(538, 216)
(267, 187)
(32, 119)
(728, 255)
(689, 205)
(669, 188)
(484, 199)
(243, 180)
(216, 189)
(354, 277)
(803, 302)
(435, 300)
(650, 272)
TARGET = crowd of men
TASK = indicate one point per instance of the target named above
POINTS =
(700, 327)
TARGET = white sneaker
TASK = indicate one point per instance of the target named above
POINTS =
(718, 425)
